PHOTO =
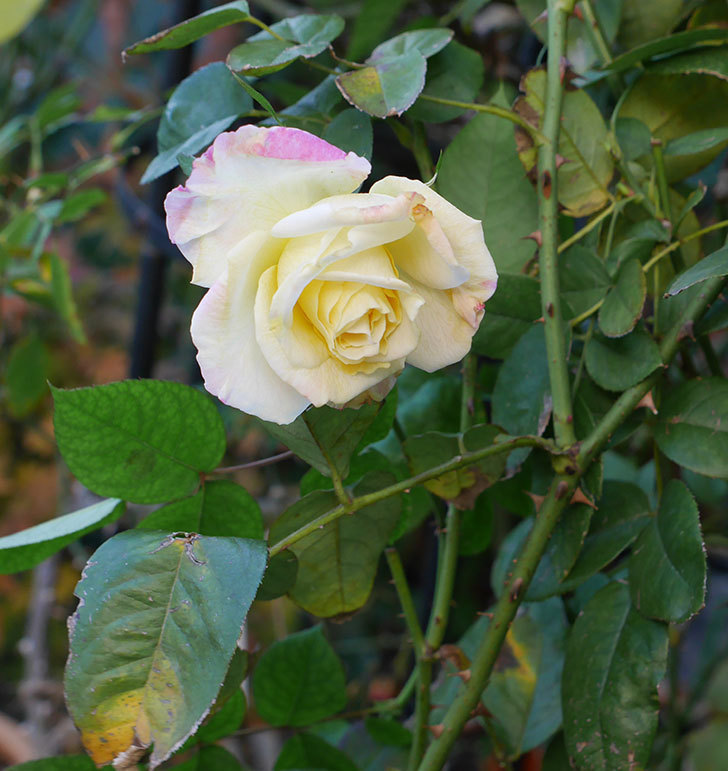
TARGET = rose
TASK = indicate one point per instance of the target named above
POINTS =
(318, 295)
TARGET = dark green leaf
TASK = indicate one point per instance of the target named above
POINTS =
(633, 138)
(679, 41)
(622, 307)
(427, 402)
(647, 20)
(302, 36)
(299, 680)
(62, 293)
(326, 437)
(692, 427)
(26, 375)
(63, 763)
(351, 131)
(561, 553)
(667, 566)
(307, 752)
(455, 73)
(618, 364)
(521, 398)
(337, 563)
(26, 548)
(146, 679)
(144, 441)
(388, 732)
(623, 512)
(614, 660)
(188, 31)
(371, 24)
(218, 508)
(510, 313)
(280, 576)
(203, 104)
(713, 265)
(207, 758)
(481, 174)
(224, 721)
(697, 142)
(583, 280)
(476, 526)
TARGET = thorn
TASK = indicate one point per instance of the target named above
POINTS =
(561, 489)
(579, 497)
(647, 401)
(464, 675)
(516, 589)
(537, 499)
(485, 613)
(577, 13)
(550, 310)
(542, 17)
(563, 69)
(481, 710)
(560, 160)
(536, 236)
(436, 730)
(655, 142)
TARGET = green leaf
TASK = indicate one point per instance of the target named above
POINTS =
(480, 173)
(371, 25)
(633, 138)
(622, 514)
(144, 441)
(622, 307)
(583, 141)
(224, 721)
(396, 73)
(521, 400)
(692, 426)
(188, 31)
(713, 265)
(25, 376)
(207, 758)
(304, 36)
(299, 680)
(510, 313)
(461, 486)
(647, 20)
(704, 61)
(351, 131)
(219, 507)
(583, 280)
(455, 73)
(674, 106)
(62, 294)
(152, 675)
(697, 142)
(203, 104)
(306, 752)
(560, 555)
(78, 205)
(326, 437)
(618, 364)
(280, 576)
(679, 41)
(476, 526)
(26, 548)
(614, 660)
(427, 402)
(388, 732)
(63, 763)
(667, 568)
(337, 563)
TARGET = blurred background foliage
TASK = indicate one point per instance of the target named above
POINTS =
(91, 291)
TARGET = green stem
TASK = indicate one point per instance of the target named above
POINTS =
(678, 264)
(596, 32)
(481, 666)
(460, 461)
(677, 244)
(405, 600)
(711, 358)
(548, 218)
(262, 25)
(587, 228)
(582, 359)
(491, 109)
(398, 702)
(421, 151)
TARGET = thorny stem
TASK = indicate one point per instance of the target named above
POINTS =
(460, 461)
(254, 463)
(548, 221)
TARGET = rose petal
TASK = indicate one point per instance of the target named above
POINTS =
(330, 382)
(463, 233)
(248, 180)
(223, 329)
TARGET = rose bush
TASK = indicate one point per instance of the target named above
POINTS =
(317, 294)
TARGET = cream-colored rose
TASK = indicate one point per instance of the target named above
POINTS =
(319, 294)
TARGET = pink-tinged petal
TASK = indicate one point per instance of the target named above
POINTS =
(248, 180)
(223, 330)
(463, 233)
